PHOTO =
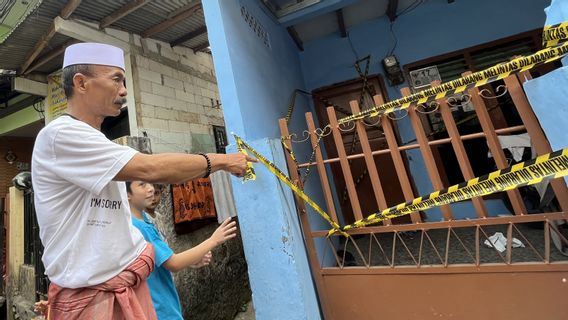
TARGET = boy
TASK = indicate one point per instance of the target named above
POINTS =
(162, 288)
(150, 210)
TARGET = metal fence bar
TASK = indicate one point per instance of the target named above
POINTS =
(399, 164)
(466, 137)
(315, 266)
(426, 152)
(454, 223)
(370, 161)
(459, 150)
(347, 175)
(321, 167)
(494, 145)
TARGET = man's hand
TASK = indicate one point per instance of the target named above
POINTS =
(41, 307)
(236, 163)
(226, 231)
(205, 261)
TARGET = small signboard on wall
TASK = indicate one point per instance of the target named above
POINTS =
(422, 78)
(194, 205)
(56, 100)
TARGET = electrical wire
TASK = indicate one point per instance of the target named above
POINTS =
(352, 46)
(406, 10)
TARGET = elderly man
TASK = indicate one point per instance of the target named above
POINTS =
(96, 260)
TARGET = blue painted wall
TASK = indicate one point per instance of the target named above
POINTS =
(434, 28)
(263, 78)
(255, 84)
(550, 91)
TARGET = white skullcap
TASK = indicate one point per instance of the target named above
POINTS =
(94, 53)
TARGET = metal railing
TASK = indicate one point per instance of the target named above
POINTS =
(33, 249)
(465, 236)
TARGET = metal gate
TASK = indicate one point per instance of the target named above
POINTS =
(33, 249)
(431, 270)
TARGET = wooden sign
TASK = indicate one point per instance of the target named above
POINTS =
(193, 200)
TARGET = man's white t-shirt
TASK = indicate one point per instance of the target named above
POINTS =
(84, 217)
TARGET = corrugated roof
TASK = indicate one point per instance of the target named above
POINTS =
(141, 20)
(182, 28)
(19, 44)
(14, 51)
(57, 41)
(197, 41)
(96, 10)
(10, 11)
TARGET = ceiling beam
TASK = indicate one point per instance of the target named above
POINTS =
(38, 47)
(18, 115)
(69, 8)
(122, 12)
(186, 37)
(200, 47)
(82, 32)
(44, 40)
(168, 23)
(296, 37)
(24, 85)
(341, 23)
(50, 56)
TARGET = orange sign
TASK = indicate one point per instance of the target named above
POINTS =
(193, 200)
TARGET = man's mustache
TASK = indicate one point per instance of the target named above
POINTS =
(120, 101)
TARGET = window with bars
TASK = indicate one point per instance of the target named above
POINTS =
(220, 135)
(502, 111)
(452, 65)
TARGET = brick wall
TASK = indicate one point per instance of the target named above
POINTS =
(22, 147)
(177, 97)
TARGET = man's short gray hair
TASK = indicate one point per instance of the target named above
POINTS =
(68, 74)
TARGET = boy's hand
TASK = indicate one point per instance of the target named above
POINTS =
(226, 231)
(205, 261)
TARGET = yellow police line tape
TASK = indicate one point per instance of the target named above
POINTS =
(485, 185)
(476, 79)
(249, 173)
(551, 35)
(244, 147)
(553, 165)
